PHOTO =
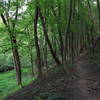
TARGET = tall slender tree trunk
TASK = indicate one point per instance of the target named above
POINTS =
(58, 19)
(47, 38)
(38, 58)
(98, 4)
(32, 64)
(30, 51)
(16, 58)
(31, 59)
(65, 39)
(60, 39)
(14, 49)
(46, 55)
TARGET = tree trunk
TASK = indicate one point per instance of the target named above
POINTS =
(16, 58)
(38, 58)
(65, 39)
(58, 18)
(30, 51)
(47, 38)
(31, 59)
(98, 4)
(14, 50)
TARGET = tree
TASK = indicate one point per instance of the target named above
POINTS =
(38, 57)
(67, 31)
(47, 38)
(11, 29)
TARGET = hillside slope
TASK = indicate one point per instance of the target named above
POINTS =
(85, 84)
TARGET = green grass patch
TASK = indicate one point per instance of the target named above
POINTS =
(8, 83)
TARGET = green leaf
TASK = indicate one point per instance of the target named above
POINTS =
(1, 10)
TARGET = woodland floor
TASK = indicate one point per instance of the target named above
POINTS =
(85, 84)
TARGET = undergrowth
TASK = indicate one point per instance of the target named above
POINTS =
(8, 83)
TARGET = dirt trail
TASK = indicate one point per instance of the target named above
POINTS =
(86, 85)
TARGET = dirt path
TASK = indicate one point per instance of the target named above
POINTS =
(88, 81)
(86, 86)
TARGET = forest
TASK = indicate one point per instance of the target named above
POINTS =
(49, 49)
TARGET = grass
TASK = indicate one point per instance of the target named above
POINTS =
(8, 83)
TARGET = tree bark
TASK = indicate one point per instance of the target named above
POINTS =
(38, 58)
(16, 58)
(59, 30)
(47, 38)
(98, 4)
(14, 51)
(65, 39)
